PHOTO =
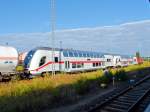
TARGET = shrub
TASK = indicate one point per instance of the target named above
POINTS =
(121, 75)
(104, 79)
(82, 86)
(107, 77)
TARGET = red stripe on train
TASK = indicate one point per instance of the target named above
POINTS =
(78, 62)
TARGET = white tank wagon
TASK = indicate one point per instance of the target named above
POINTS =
(8, 61)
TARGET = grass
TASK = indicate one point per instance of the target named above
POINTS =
(38, 93)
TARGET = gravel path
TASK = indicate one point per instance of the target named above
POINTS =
(84, 100)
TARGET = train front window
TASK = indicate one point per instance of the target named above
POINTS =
(42, 61)
(28, 58)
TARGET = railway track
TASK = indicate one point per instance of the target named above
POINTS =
(132, 99)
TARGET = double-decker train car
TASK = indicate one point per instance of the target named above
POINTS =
(40, 60)
(115, 60)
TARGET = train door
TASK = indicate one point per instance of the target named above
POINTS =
(56, 60)
(67, 65)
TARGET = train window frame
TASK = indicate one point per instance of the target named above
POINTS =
(42, 61)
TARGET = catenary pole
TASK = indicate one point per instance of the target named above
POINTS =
(53, 34)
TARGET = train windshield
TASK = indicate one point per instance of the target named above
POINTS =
(28, 58)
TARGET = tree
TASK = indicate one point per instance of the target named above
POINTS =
(138, 54)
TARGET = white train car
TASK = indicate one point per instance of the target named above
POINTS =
(127, 60)
(39, 60)
(114, 60)
(109, 60)
(8, 60)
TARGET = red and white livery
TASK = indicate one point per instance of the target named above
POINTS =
(39, 60)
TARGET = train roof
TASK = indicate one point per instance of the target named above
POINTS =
(80, 53)
(73, 53)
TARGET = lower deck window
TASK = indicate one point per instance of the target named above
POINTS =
(93, 64)
(73, 65)
(97, 64)
(76, 65)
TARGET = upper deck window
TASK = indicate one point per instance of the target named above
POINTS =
(65, 53)
(84, 54)
(80, 54)
(71, 54)
(76, 54)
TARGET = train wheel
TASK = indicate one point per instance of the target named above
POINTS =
(42, 74)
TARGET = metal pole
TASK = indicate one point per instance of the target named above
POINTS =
(60, 42)
(53, 34)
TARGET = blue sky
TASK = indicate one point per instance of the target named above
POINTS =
(25, 16)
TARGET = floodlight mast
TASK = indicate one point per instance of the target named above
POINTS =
(53, 34)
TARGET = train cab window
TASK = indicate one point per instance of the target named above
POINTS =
(42, 61)
(56, 59)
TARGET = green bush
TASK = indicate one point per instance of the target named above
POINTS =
(121, 75)
(82, 86)
(104, 79)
